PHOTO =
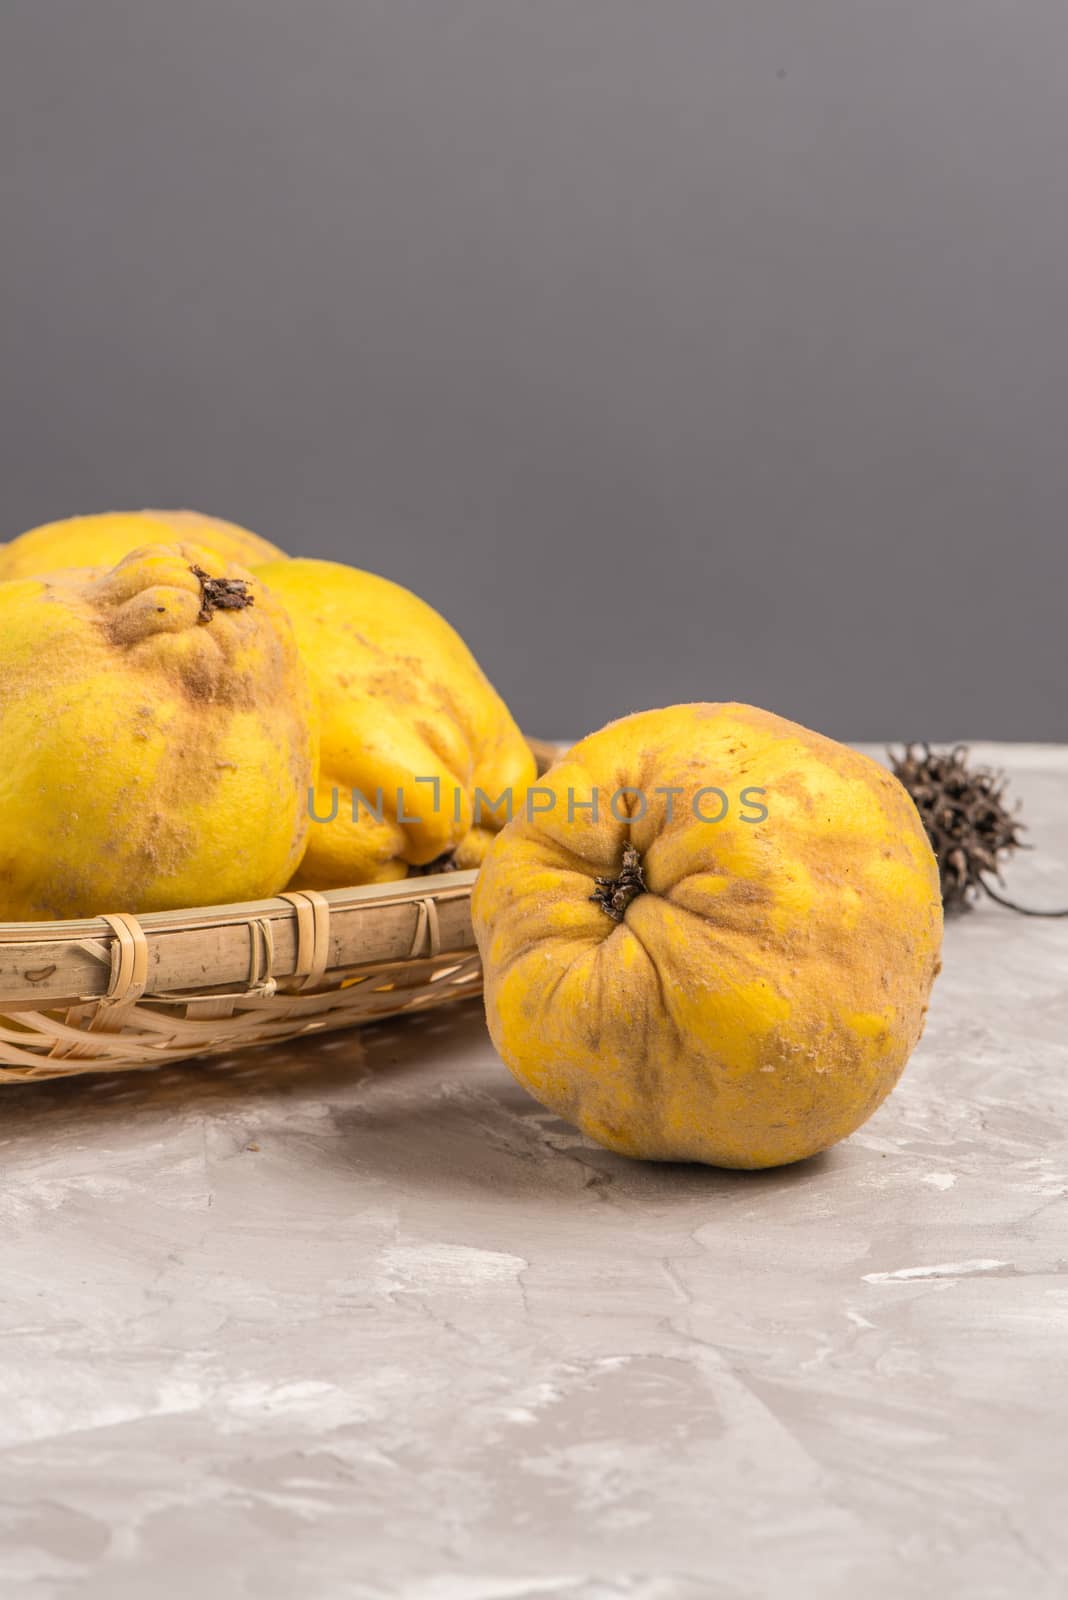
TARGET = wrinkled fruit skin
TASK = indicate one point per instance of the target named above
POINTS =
(103, 540)
(148, 759)
(404, 707)
(760, 999)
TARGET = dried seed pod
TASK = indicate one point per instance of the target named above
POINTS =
(971, 829)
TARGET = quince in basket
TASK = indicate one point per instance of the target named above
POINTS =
(103, 539)
(156, 738)
(730, 959)
(416, 743)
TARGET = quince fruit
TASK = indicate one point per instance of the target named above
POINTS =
(103, 539)
(416, 745)
(156, 738)
(730, 959)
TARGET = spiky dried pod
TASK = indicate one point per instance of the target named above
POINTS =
(971, 829)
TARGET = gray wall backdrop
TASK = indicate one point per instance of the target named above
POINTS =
(675, 350)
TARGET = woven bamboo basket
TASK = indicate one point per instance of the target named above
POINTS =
(118, 992)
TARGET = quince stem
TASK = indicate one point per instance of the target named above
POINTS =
(220, 594)
(614, 895)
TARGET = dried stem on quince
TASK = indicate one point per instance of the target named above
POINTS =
(614, 895)
(221, 594)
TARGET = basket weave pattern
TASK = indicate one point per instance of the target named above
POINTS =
(122, 992)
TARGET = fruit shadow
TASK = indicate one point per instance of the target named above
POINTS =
(460, 1127)
(418, 1099)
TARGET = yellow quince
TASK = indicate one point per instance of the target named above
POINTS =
(156, 738)
(103, 539)
(417, 747)
(712, 938)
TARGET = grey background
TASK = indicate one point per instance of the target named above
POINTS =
(697, 349)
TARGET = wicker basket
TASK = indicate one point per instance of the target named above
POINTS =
(119, 992)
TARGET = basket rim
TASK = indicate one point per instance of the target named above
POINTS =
(188, 919)
(248, 949)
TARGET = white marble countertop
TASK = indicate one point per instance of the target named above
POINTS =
(357, 1318)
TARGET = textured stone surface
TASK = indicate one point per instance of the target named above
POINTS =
(358, 1318)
